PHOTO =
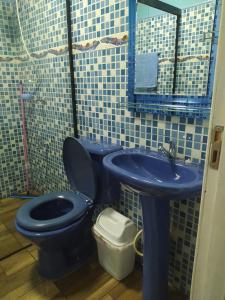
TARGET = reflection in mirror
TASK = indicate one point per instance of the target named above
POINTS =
(156, 61)
(155, 43)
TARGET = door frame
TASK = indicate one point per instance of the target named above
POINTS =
(208, 278)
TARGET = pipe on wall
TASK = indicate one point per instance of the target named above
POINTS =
(72, 78)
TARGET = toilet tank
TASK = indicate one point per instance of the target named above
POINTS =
(108, 188)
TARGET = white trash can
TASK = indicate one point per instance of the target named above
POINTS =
(114, 234)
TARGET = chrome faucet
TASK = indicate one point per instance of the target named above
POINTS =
(171, 153)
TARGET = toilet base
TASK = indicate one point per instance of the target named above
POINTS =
(55, 264)
(65, 249)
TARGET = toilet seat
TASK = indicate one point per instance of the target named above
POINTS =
(68, 207)
(60, 209)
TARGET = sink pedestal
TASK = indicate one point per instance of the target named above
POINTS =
(156, 247)
(158, 181)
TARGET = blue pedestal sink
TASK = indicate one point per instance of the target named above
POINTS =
(158, 180)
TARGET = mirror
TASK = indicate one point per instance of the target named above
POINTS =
(172, 46)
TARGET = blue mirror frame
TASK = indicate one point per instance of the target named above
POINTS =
(186, 106)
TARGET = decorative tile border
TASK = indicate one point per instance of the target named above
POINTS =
(38, 55)
(115, 41)
(86, 47)
(94, 46)
(104, 43)
(190, 58)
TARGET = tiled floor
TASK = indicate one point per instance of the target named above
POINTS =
(19, 278)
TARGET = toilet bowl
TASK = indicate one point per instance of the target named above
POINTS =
(60, 223)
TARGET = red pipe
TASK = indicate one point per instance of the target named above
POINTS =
(24, 137)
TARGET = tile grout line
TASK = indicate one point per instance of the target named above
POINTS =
(15, 252)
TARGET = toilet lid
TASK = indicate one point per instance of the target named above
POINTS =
(78, 167)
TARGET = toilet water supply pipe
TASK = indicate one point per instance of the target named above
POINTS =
(137, 237)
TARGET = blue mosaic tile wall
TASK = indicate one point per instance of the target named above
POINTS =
(49, 121)
(10, 43)
(100, 43)
(43, 24)
(11, 147)
(47, 77)
(101, 86)
(49, 113)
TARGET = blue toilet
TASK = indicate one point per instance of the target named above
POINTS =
(60, 223)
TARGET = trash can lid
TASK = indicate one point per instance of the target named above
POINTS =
(114, 227)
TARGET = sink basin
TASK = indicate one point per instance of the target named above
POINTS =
(158, 180)
(153, 174)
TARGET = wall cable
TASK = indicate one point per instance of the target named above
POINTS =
(21, 32)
